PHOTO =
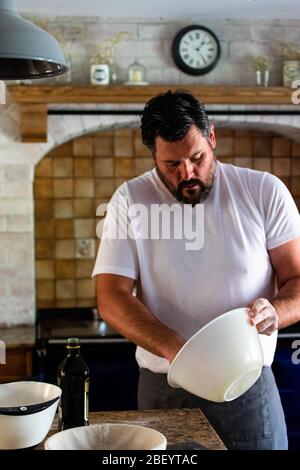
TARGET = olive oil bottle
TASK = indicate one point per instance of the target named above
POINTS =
(73, 378)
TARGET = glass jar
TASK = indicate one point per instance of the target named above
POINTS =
(291, 72)
(136, 74)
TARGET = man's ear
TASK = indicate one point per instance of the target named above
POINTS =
(212, 136)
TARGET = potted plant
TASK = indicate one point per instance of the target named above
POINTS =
(262, 65)
(103, 70)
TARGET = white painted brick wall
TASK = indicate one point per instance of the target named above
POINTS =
(20, 223)
(17, 304)
(17, 253)
(16, 206)
(19, 172)
(3, 225)
(17, 189)
(106, 28)
(15, 312)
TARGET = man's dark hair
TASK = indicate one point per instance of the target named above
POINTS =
(170, 116)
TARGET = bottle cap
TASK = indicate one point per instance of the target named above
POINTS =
(73, 343)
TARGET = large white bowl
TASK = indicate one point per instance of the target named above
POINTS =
(108, 436)
(221, 361)
(27, 410)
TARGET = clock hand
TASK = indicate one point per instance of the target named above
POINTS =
(203, 58)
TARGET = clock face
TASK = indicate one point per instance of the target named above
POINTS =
(196, 50)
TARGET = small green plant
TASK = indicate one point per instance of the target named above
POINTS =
(262, 62)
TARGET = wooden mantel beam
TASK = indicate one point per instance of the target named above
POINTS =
(34, 99)
(34, 122)
(141, 94)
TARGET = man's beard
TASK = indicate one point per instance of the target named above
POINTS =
(197, 195)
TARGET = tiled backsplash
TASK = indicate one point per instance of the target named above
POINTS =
(74, 178)
(70, 182)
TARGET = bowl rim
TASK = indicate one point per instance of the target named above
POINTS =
(113, 424)
(27, 408)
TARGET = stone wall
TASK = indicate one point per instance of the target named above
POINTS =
(150, 43)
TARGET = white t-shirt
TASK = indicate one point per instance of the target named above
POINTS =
(247, 213)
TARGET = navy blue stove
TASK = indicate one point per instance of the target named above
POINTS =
(110, 357)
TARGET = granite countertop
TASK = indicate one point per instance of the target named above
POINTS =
(179, 426)
(18, 336)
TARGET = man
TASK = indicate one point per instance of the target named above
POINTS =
(250, 256)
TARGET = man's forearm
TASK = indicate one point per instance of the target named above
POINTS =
(287, 303)
(132, 319)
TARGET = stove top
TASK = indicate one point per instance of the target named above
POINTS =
(67, 323)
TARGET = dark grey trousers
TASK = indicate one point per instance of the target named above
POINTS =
(254, 421)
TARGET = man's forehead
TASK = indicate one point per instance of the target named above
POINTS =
(193, 133)
(187, 147)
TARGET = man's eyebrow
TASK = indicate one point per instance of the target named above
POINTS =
(178, 161)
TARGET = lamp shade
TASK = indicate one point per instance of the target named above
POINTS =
(26, 51)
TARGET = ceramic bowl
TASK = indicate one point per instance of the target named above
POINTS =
(107, 436)
(221, 361)
(27, 410)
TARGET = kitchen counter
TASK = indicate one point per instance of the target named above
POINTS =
(22, 336)
(178, 426)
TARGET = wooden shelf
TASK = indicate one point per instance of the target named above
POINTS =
(34, 99)
(141, 94)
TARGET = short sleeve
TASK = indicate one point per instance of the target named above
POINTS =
(117, 252)
(282, 220)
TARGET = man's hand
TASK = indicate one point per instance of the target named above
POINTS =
(264, 316)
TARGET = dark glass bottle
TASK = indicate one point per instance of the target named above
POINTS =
(73, 378)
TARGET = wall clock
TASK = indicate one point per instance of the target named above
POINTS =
(196, 50)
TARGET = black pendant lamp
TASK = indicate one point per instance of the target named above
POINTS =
(26, 51)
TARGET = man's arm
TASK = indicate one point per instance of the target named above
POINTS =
(284, 309)
(126, 314)
(286, 262)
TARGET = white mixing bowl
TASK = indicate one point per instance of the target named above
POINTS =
(108, 436)
(27, 410)
(221, 361)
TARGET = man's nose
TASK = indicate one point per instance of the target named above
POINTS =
(186, 170)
